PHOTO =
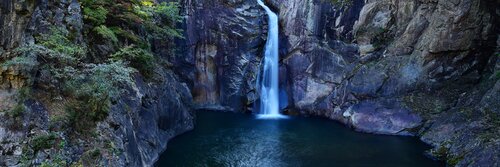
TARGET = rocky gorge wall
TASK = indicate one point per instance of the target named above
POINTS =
(223, 43)
(406, 67)
(139, 122)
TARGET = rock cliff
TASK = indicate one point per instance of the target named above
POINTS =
(428, 68)
(37, 127)
(407, 67)
(222, 49)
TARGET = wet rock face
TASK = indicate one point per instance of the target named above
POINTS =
(375, 49)
(345, 62)
(224, 41)
(382, 117)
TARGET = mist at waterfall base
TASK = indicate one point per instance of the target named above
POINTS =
(229, 139)
(268, 80)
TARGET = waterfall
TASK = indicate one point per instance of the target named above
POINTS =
(269, 96)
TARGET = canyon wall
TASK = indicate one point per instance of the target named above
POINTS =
(428, 68)
(407, 67)
(220, 55)
(139, 122)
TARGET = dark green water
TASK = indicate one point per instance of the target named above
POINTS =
(226, 139)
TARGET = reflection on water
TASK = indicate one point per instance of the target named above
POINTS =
(225, 139)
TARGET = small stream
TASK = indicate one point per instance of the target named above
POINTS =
(229, 139)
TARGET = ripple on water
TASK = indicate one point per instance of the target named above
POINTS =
(226, 139)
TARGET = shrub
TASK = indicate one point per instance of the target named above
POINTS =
(95, 11)
(91, 157)
(126, 34)
(56, 161)
(21, 61)
(167, 14)
(138, 58)
(106, 33)
(44, 141)
(58, 41)
(17, 111)
(93, 90)
(47, 55)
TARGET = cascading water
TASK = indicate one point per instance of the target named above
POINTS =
(269, 96)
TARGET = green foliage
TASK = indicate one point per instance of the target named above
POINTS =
(62, 144)
(21, 61)
(57, 40)
(90, 87)
(106, 33)
(57, 161)
(93, 90)
(130, 36)
(41, 142)
(23, 93)
(162, 32)
(17, 111)
(47, 55)
(453, 161)
(168, 14)
(111, 148)
(138, 58)
(90, 157)
(95, 153)
(94, 12)
(159, 18)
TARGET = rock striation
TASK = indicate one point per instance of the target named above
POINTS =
(139, 123)
(428, 68)
(407, 67)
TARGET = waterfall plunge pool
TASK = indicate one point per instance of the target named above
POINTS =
(229, 139)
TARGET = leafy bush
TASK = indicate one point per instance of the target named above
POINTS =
(57, 161)
(138, 58)
(129, 37)
(94, 11)
(106, 33)
(41, 142)
(91, 157)
(93, 90)
(47, 55)
(58, 41)
(133, 12)
(17, 111)
(168, 14)
(21, 61)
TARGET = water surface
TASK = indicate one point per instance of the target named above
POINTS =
(227, 139)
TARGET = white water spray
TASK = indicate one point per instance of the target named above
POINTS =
(269, 96)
